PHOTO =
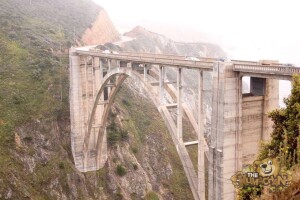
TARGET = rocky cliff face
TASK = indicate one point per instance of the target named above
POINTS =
(142, 163)
(101, 31)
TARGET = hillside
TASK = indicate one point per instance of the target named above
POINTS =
(32, 64)
(35, 160)
(147, 41)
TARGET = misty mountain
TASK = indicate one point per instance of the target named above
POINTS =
(147, 41)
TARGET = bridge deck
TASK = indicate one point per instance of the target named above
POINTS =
(206, 64)
(283, 72)
(155, 59)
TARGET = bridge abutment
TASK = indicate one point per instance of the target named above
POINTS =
(256, 125)
(239, 123)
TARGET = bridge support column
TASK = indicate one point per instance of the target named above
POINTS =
(108, 89)
(109, 64)
(201, 156)
(129, 65)
(271, 102)
(224, 148)
(76, 109)
(145, 73)
(86, 80)
(179, 104)
(118, 64)
(161, 84)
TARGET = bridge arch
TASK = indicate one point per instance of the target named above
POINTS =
(120, 75)
(116, 76)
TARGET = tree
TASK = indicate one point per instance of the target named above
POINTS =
(285, 139)
(286, 124)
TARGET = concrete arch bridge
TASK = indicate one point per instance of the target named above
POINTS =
(239, 121)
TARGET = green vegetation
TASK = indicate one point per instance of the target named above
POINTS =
(135, 150)
(120, 170)
(115, 134)
(34, 42)
(142, 120)
(135, 166)
(151, 196)
(285, 138)
(34, 39)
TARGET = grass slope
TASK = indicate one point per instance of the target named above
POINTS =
(33, 71)
(34, 86)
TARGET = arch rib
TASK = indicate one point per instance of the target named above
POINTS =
(122, 74)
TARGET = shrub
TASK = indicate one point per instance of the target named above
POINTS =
(134, 150)
(125, 102)
(61, 165)
(28, 138)
(120, 170)
(151, 196)
(124, 134)
(115, 134)
(135, 167)
(113, 137)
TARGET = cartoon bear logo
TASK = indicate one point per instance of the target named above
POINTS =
(267, 167)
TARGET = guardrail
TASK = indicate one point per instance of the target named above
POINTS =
(244, 62)
(151, 59)
(272, 69)
(180, 61)
(167, 56)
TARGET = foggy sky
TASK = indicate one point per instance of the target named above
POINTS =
(246, 29)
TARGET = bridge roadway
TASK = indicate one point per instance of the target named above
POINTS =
(278, 71)
(230, 121)
(156, 59)
(247, 68)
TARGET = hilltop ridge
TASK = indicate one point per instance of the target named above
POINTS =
(148, 41)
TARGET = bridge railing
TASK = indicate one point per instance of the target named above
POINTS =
(166, 56)
(272, 69)
(245, 62)
(152, 59)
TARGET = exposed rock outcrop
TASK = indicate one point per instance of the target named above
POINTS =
(101, 31)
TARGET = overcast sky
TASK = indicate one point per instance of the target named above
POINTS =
(247, 29)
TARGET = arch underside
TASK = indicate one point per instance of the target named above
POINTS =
(95, 151)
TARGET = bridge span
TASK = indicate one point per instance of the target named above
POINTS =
(239, 121)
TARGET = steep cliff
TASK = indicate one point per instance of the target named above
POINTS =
(101, 31)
